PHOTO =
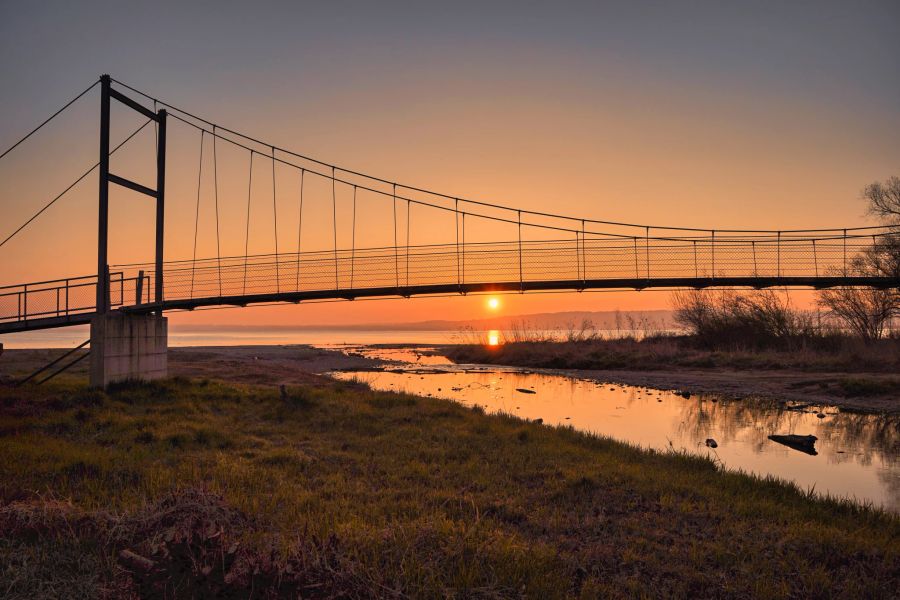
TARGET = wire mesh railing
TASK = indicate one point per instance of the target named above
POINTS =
(69, 297)
(574, 263)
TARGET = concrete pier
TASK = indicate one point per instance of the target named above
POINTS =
(128, 347)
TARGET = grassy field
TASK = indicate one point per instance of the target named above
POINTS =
(206, 489)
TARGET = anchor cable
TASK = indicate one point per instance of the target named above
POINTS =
(50, 118)
(76, 182)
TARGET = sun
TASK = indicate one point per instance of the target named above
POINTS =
(493, 303)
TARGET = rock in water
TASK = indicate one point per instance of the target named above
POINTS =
(801, 443)
(711, 443)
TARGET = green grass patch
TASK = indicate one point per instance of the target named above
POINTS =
(338, 491)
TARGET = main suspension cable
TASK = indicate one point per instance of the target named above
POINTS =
(392, 194)
(449, 197)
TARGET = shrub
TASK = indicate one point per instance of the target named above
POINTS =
(730, 320)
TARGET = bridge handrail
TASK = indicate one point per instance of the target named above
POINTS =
(34, 283)
(421, 250)
(63, 302)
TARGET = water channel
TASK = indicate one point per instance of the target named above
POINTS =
(854, 455)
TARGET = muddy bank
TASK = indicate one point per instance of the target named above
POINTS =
(787, 387)
(870, 385)
(240, 364)
(859, 392)
(264, 364)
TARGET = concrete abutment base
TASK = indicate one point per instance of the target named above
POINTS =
(128, 347)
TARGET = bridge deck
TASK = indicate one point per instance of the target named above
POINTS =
(426, 290)
(582, 264)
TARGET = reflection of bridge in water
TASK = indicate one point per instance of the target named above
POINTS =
(541, 250)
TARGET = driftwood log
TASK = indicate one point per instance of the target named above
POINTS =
(801, 443)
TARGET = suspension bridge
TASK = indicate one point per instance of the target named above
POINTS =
(481, 246)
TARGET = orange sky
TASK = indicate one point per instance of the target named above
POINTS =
(750, 130)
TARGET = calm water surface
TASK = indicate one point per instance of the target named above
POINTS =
(857, 456)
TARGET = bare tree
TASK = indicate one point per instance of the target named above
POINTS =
(868, 311)
(865, 311)
(730, 319)
(884, 200)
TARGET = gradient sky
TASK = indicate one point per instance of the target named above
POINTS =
(709, 114)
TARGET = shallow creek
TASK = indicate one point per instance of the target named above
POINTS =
(854, 455)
